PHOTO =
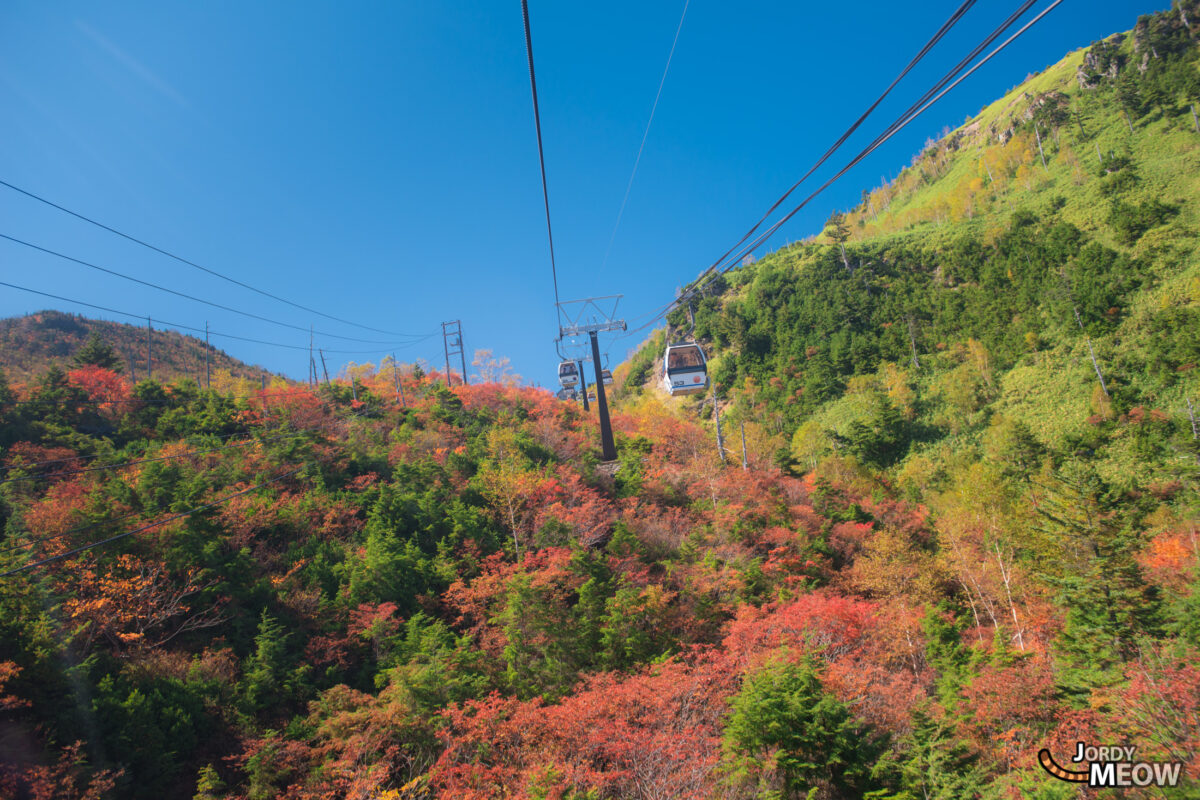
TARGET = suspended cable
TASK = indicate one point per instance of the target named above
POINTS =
(38, 540)
(51, 461)
(193, 298)
(182, 260)
(903, 120)
(238, 445)
(174, 399)
(102, 468)
(181, 326)
(929, 45)
(537, 121)
(29, 543)
(646, 134)
(181, 515)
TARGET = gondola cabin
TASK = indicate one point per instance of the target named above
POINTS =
(606, 376)
(685, 370)
(568, 375)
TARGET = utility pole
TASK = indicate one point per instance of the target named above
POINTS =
(324, 368)
(607, 446)
(454, 347)
(399, 385)
(207, 370)
(149, 354)
(312, 363)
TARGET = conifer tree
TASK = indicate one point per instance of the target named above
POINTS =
(96, 351)
(786, 730)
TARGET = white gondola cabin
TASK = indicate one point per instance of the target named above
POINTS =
(685, 370)
(606, 376)
(568, 375)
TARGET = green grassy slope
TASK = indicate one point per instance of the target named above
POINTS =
(981, 281)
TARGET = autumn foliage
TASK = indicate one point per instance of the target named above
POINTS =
(449, 599)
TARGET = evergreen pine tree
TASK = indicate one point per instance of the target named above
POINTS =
(786, 730)
(96, 351)
(209, 785)
(265, 675)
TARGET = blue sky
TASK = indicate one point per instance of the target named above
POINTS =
(377, 160)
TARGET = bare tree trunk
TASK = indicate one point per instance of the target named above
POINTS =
(717, 417)
(974, 610)
(1092, 353)
(1005, 575)
(744, 443)
(912, 652)
(1041, 152)
(512, 522)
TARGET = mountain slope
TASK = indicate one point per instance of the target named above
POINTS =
(29, 344)
(980, 283)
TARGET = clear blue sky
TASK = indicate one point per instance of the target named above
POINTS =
(377, 160)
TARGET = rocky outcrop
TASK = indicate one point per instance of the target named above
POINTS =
(1102, 60)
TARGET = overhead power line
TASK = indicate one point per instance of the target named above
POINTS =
(28, 544)
(31, 542)
(927, 99)
(914, 111)
(181, 515)
(191, 297)
(924, 51)
(105, 467)
(183, 260)
(537, 121)
(48, 462)
(646, 134)
(182, 326)
(237, 445)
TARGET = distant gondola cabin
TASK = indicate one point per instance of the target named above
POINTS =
(685, 370)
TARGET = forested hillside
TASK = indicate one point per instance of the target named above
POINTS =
(29, 344)
(967, 529)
